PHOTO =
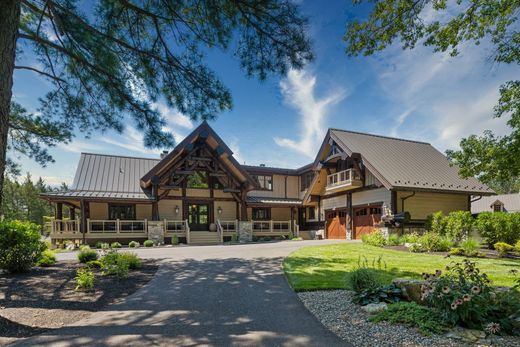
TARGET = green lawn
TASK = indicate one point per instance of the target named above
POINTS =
(325, 267)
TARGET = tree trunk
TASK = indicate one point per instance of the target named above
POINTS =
(9, 22)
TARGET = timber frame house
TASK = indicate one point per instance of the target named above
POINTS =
(199, 193)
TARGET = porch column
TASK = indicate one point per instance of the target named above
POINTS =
(72, 213)
(85, 214)
(155, 211)
(59, 211)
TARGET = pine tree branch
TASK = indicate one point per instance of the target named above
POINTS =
(56, 78)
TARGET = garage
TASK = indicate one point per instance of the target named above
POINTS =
(365, 219)
(337, 224)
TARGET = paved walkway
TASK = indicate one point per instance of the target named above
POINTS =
(207, 295)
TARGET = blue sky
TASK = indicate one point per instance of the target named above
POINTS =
(281, 122)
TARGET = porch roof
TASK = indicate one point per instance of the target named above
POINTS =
(259, 200)
(87, 194)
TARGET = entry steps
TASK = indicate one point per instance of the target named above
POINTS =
(204, 238)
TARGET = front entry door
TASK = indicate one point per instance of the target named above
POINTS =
(198, 217)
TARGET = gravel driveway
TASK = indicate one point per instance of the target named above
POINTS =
(210, 295)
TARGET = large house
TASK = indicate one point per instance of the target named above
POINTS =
(498, 203)
(201, 194)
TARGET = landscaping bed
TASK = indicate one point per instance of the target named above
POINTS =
(46, 298)
(335, 310)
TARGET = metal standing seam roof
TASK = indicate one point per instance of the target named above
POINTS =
(272, 201)
(407, 164)
(511, 203)
(109, 176)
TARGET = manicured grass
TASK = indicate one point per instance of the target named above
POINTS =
(325, 267)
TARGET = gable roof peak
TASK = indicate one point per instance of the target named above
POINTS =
(379, 136)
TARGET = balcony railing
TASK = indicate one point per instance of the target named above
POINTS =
(343, 178)
(272, 227)
(64, 226)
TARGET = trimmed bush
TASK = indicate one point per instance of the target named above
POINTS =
(375, 238)
(94, 264)
(119, 264)
(410, 238)
(394, 240)
(20, 245)
(458, 225)
(457, 251)
(134, 262)
(434, 242)
(133, 244)
(84, 279)
(148, 243)
(498, 227)
(470, 246)
(411, 314)
(115, 245)
(503, 248)
(86, 254)
(175, 240)
(99, 244)
(48, 258)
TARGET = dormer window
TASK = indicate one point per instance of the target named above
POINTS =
(497, 208)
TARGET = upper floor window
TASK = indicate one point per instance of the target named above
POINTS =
(264, 181)
(312, 213)
(198, 180)
(306, 180)
(497, 208)
(121, 211)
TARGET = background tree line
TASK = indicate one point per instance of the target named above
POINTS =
(21, 199)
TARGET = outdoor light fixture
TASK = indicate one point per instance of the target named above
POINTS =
(176, 209)
(219, 210)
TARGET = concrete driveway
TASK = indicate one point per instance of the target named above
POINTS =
(205, 295)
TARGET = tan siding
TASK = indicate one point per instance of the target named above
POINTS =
(143, 211)
(98, 210)
(371, 180)
(335, 202)
(279, 188)
(293, 187)
(174, 192)
(280, 213)
(371, 196)
(220, 194)
(197, 193)
(229, 210)
(167, 209)
(423, 204)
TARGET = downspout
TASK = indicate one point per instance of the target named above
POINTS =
(402, 209)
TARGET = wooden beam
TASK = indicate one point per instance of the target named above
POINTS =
(183, 172)
(169, 187)
(200, 159)
(218, 174)
(230, 190)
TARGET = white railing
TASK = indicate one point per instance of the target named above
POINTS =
(116, 226)
(220, 233)
(271, 226)
(342, 177)
(229, 226)
(187, 228)
(174, 226)
(64, 226)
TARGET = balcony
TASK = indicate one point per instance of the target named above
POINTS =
(343, 180)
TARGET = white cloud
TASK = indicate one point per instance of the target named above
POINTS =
(58, 180)
(298, 90)
(81, 146)
(399, 121)
(174, 117)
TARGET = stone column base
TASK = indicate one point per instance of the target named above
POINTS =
(245, 231)
(156, 232)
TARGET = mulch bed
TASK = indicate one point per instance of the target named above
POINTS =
(490, 253)
(45, 298)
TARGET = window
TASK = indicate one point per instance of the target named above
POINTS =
(361, 212)
(312, 213)
(265, 182)
(375, 210)
(216, 183)
(262, 213)
(306, 180)
(497, 208)
(121, 212)
(198, 180)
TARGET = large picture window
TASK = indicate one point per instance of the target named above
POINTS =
(264, 181)
(261, 213)
(120, 211)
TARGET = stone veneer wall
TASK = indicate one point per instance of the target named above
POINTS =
(156, 232)
(245, 231)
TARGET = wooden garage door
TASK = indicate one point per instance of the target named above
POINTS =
(365, 218)
(336, 224)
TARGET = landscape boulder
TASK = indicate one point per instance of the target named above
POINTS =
(411, 289)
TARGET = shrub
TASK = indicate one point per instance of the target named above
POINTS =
(375, 238)
(517, 246)
(503, 248)
(84, 279)
(115, 245)
(434, 242)
(133, 244)
(119, 264)
(458, 225)
(436, 222)
(411, 314)
(20, 245)
(416, 248)
(134, 262)
(297, 239)
(470, 246)
(86, 254)
(148, 243)
(498, 227)
(175, 240)
(410, 238)
(94, 264)
(390, 293)
(48, 258)
(234, 238)
(394, 240)
(457, 251)
(99, 244)
(363, 278)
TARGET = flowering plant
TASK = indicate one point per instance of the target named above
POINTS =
(462, 294)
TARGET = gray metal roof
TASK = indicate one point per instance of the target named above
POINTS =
(109, 176)
(511, 203)
(407, 164)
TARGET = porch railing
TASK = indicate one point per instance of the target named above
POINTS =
(174, 226)
(117, 226)
(271, 226)
(64, 226)
(342, 178)
(229, 226)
